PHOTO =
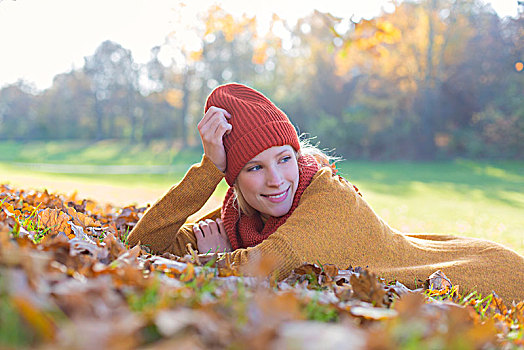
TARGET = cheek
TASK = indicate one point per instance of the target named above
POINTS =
(248, 184)
(292, 174)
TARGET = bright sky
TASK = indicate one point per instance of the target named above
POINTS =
(39, 39)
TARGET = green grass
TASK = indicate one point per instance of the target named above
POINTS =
(106, 152)
(23, 158)
(470, 198)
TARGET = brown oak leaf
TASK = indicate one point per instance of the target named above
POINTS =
(55, 220)
(367, 288)
(82, 219)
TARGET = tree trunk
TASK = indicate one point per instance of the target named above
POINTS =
(132, 115)
(184, 121)
(99, 119)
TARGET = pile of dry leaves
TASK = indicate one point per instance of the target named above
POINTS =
(68, 280)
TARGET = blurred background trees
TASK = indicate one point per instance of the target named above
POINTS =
(434, 79)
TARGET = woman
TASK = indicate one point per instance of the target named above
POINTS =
(285, 204)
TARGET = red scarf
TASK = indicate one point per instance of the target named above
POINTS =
(247, 231)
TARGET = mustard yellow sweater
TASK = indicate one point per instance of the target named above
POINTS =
(333, 224)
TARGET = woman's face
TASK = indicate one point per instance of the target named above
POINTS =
(268, 182)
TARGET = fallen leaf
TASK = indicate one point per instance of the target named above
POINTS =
(344, 293)
(438, 281)
(367, 288)
(79, 233)
(82, 219)
(55, 220)
(130, 256)
(188, 274)
(330, 270)
(308, 269)
(114, 246)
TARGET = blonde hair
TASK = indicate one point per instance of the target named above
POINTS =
(306, 148)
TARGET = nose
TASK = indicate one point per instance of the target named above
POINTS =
(273, 177)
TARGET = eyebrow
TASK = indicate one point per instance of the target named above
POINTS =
(277, 155)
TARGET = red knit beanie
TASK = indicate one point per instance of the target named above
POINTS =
(257, 124)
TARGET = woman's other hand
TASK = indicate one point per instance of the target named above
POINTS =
(211, 236)
(212, 128)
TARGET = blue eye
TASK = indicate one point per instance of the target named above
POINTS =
(254, 168)
(285, 159)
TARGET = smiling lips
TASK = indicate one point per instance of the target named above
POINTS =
(277, 197)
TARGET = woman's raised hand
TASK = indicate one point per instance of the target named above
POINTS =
(211, 236)
(212, 128)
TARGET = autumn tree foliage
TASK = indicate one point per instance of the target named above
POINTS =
(433, 79)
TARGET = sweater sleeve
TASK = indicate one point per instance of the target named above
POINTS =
(162, 226)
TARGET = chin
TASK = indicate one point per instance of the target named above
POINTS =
(277, 212)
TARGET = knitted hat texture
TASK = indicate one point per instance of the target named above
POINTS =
(257, 124)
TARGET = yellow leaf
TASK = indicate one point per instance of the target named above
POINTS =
(82, 219)
(188, 274)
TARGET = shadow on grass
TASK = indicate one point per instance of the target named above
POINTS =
(105, 152)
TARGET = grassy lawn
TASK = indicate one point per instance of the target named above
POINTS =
(96, 153)
(477, 199)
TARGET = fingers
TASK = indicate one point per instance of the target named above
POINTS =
(216, 128)
(198, 232)
(206, 228)
(221, 227)
(213, 129)
(211, 236)
(212, 114)
(209, 115)
(212, 225)
(201, 230)
(213, 126)
(225, 239)
(214, 109)
(223, 128)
